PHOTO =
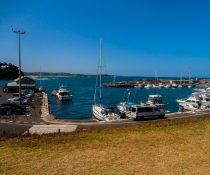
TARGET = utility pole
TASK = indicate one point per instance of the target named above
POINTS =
(19, 32)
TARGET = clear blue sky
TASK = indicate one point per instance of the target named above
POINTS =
(139, 36)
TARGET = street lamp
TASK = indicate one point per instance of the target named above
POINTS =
(19, 32)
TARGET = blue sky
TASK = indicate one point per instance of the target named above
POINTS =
(140, 37)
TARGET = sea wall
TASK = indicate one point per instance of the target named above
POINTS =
(45, 108)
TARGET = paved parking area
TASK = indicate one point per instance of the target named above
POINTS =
(33, 111)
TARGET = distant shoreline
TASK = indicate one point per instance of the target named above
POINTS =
(57, 74)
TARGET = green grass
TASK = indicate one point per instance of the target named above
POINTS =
(167, 147)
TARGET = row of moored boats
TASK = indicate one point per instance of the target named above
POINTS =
(162, 85)
(199, 100)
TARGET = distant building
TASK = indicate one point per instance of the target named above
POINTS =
(26, 83)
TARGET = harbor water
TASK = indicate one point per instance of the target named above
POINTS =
(82, 88)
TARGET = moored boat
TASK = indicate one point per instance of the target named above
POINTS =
(100, 112)
(63, 94)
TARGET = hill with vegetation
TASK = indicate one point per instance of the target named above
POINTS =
(8, 71)
(46, 74)
(181, 146)
(49, 74)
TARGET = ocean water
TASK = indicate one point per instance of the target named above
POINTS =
(82, 89)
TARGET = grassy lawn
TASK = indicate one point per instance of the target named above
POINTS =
(177, 147)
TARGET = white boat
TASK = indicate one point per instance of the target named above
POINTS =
(148, 86)
(161, 85)
(167, 86)
(208, 89)
(174, 85)
(155, 86)
(138, 86)
(156, 100)
(100, 112)
(200, 90)
(63, 94)
(187, 107)
(180, 83)
(191, 101)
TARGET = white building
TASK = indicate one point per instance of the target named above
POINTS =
(26, 83)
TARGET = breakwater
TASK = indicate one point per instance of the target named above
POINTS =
(164, 83)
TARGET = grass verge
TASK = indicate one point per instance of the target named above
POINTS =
(167, 147)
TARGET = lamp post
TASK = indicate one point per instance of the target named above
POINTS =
(19, 32)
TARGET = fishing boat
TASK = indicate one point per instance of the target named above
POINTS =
(63, 94)
(100, 112)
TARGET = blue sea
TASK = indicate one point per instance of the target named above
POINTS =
(82, 88)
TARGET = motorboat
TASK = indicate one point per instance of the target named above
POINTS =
(187, 107)
(63, 94)
(200, 90)
(148, 86)
(174, 85)
(138, 86)
(161, 85)
(191, 101)
(155, 100)
(167, 86)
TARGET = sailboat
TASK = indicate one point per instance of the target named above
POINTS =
(189, 84)
(40, 81)
(100, 112)
(180, 83)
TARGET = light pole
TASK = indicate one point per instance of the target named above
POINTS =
(19, 32)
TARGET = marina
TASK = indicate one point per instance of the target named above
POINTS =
(161, 83)
(82, 89)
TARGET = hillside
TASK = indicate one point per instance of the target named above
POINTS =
(8, 71)
(167, 147)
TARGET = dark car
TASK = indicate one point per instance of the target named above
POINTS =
(5, 110)
(16, 109)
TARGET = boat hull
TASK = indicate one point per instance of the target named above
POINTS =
(64, 98)
(98, 112)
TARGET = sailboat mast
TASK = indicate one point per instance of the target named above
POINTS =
(181, 78)
(100, 69)
(40, 75)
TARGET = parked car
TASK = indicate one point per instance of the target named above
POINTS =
(5, 110)
(17, 100)
(15, 109)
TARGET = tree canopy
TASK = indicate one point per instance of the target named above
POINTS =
(8, 71)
